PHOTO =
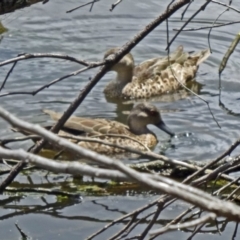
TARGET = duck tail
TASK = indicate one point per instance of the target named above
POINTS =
(54, 115)
(202, 55)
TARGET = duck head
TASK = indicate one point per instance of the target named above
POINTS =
(142, 115)
(124, 68)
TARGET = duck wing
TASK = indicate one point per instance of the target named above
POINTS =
(178, 60)
(156, 76)
(89, 126)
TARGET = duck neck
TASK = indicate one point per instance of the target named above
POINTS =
(137, 128)
(124, 76)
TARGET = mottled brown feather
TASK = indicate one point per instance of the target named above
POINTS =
(136, 135)
(153, 77)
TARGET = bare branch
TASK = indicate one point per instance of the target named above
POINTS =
(83, 5)
(114, 5)
(193, 223)
(179, 190)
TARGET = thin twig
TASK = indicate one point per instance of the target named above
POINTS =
(83, 5)
(114, 5)
(206, 27)
(201, 220)
(7, 76)
(202, 8)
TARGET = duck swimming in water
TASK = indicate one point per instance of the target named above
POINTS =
(153, 77)
(135, 134)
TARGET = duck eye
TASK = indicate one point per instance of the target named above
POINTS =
(152, 112)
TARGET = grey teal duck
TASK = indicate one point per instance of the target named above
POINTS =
(153, 77)
(135, 135)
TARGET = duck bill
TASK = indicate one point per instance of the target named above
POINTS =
(161, 125)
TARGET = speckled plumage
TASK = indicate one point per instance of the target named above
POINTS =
(135, 135)
(153, 77)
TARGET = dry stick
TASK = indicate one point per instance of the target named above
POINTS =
(74, 167)
(8, 74)
(235, 231)
(207, 27)
(226, 186)
(176, 220)
(128, 228)
(198, 181)
(148, 154)
(158, 232)
(232, 193)
(114, 5)
(190, 209)
(185, 87)
(25, 56)
(153, 220)
(167, 29)
(165, 201)
(185, 10)
(121, 52)
(137, 223)
(23, 235)
(135, 212)
(193, 223)
(94, 1)
(175, 190)
(214, 173)
(215, 181)
(33, 93)
(224, 63)
(83, 5)
(195, 94)
(89, 66)
(37, 207)
(114, 237)
(226, 5)
(210, 30)
(168, 51)
(192, 92)
(191, 195)
(228, 152)
(145, 207)
(202, 8)
(196, 230)
(200, 227)
(232, 169)
(166, 197)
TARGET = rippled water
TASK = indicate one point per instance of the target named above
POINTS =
(87, 35)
